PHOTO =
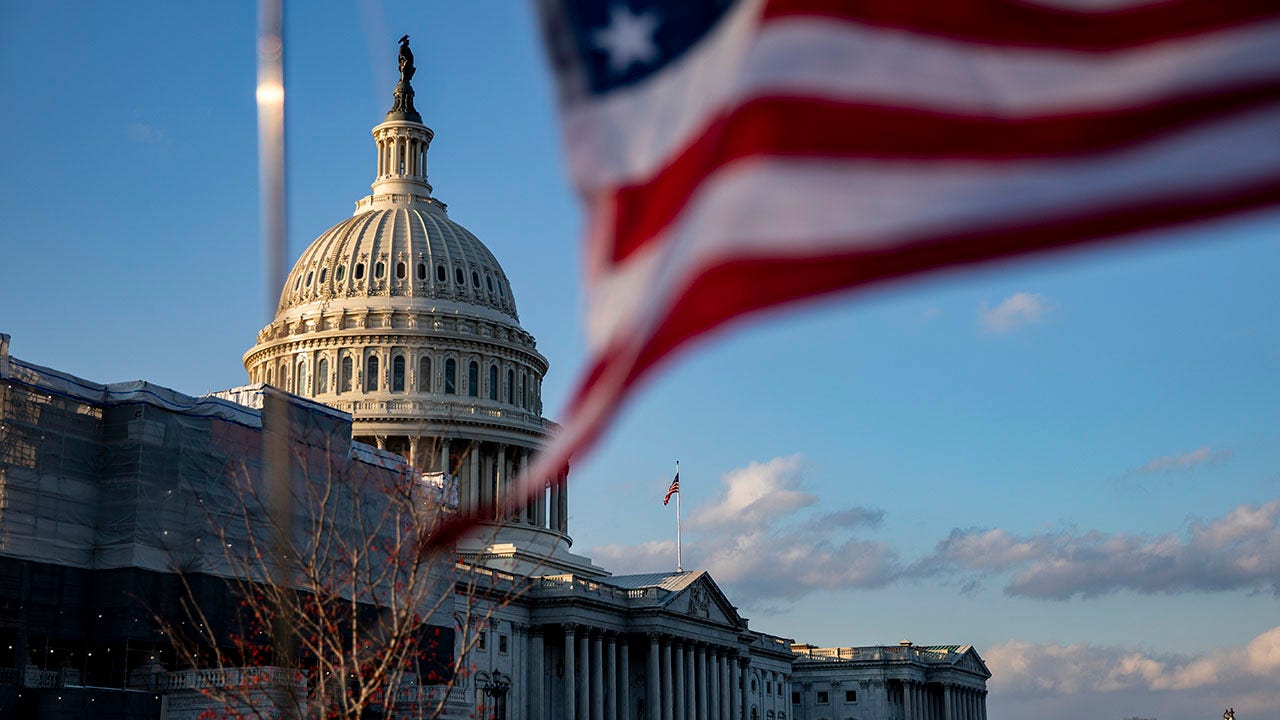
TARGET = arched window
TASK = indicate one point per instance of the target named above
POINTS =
(346, 374)
(458, 277)
(473, 379)
(309, 277)
(271, 376)
(371, 374)
(322, 376)
(422, 271)
(493, 382)
(441, 275)
(301, 377)
(284, 378)
(359, 273)
(397, 373)
(424, 374)
(475, 278)
(488, 281)
(524, 397)
(379, 270)
(399, 271)
(450, 377)
(339, 273)
(511, 387)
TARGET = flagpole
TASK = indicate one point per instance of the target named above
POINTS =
(679, 564)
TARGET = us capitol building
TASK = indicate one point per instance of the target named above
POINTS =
(404, 321)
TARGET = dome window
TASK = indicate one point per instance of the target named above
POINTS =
(322, 371)
(309, 279)
(347, 372)
(451, 377)
(488, 279)
(422, 271)
(424, 374)
(297, 283)
(359, 273)
(399, 271)
(337, 274)
(458, 277)
(397, 371)
(379, 269)
(475, 278)
(473, 379)
(493, 382)
(501, 294)
(511, 387)
(371, 374)
(441, 274)
(324, 272)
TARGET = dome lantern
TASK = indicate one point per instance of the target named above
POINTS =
(402, 140)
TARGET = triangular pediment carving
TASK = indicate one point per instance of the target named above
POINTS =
(974, 664)
(704, 600)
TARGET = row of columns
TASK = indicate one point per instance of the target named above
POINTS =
(692, 681)
(485, 470)
(685, 680)
(958, 702)
(402, 156)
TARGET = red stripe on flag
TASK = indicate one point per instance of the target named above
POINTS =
(1022, 24)
(803, 127)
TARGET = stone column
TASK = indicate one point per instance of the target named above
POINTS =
(540, 510)
(677, 671)
(668, 706)
(500, 478)
(570, 674)
(713, 684)
(537, 652)
(610, 695)
(554, 523)
(624, 672)
(982, 705)
(735, 697)
(700, 681)
(690, 689)
(597, 677)
(564, 503)
(908, 700)
(444, 457)
(722, 660)
(744, 666)
(584, 676)
(947, 712)
(652, 703)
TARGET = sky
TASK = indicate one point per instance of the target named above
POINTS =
(1071, 462)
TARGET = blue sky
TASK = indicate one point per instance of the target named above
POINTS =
(1071, 462)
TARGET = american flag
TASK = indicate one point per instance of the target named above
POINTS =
(675, 488)
(738, 155)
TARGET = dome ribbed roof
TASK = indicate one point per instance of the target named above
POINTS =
(414, 251)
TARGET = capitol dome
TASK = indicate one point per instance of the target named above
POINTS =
(409, 251)
(403, 318)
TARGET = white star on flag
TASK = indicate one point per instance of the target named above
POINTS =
(628, 38)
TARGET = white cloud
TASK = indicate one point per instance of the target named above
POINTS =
(1015, 311)
(1240, 550)
(1199, 456)
(754, 541)
(1249, 674)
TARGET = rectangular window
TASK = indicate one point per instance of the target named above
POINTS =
(502, 644)
(851, 696)
(795, 697)
(768, 687)
(824, 698)
(480, 642)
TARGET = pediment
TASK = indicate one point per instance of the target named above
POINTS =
(971, 662)
(703, 599)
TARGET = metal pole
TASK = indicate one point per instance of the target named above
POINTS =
(679, 564)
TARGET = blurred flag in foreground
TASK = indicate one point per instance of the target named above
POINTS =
(738, 155)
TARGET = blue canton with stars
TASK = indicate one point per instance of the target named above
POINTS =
(614, 44)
